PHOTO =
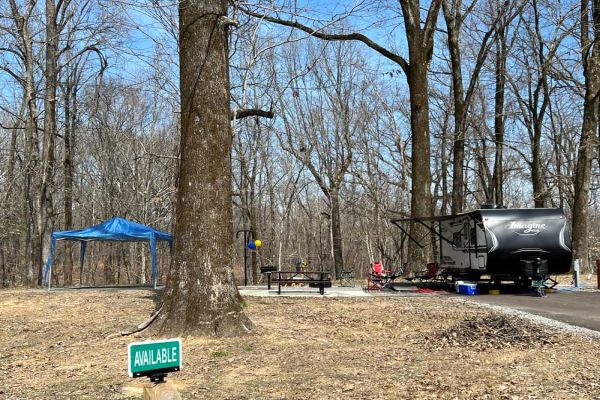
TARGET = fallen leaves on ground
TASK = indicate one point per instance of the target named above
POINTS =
(495, 331)
(58, 345)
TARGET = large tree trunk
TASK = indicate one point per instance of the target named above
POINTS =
(201, 297)
(44, 205)
(421, 171)
(420, 50)
(582, 183)
(591, 69)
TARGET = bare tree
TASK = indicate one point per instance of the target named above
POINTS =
(24, 50)
(420, 41)
(499, 117)
(321, 126)
(455, 17)
(590, 57)
(536, 53)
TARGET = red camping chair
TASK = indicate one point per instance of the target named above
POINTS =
(379, 278)
(430, 273)
(377, 268)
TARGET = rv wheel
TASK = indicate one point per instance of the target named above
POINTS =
(522, 283)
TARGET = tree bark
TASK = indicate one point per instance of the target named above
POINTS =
(44, 215)
(453, 23)
(500, 83)
(70, 101)
(421, 171)
(582, 183)
(420, 49)
(537, 172)
(591, 71)
(8, 199)
(336, 233)
(201, 297)
(444, 167)
(31, 153)
(540, 195)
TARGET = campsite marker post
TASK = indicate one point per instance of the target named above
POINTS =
(155, 359)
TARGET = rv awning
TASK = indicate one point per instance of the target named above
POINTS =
(425, 219)
(115, 229)
(422, 221)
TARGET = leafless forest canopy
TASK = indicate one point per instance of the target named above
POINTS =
(379, 108)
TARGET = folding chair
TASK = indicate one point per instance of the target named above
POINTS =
(347, 279)
(380, 279)
(430, 273)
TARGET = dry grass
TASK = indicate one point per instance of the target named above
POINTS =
(54, 346)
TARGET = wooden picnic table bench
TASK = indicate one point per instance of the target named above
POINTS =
(312, 278)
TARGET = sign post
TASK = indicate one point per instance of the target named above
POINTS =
(155, 358)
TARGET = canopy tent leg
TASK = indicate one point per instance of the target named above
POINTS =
(48, 270)
(153, 256)
(81, 260)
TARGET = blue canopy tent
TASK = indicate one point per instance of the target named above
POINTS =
(114, 230)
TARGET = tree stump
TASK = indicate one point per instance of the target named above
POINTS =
(161, 391)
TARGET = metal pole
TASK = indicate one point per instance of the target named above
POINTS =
(245, 258)
(247, 233)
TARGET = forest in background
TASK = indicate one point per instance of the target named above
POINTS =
(89, 126)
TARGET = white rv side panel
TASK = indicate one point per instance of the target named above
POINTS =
(463, 247)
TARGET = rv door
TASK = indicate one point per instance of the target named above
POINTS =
(477, 247)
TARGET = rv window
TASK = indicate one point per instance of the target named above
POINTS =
(457, 239)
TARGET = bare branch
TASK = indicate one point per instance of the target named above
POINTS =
(335, 36)
(250, 112)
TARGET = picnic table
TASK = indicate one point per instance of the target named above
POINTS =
(318, 279)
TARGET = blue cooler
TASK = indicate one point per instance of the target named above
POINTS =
(467, 288)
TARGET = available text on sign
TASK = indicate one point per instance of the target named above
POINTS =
(154, 357)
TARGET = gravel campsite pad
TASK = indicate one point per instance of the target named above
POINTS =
(61, 345)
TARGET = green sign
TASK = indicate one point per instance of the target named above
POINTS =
(153, 357)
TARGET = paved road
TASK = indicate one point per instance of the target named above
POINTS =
(575, 308)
